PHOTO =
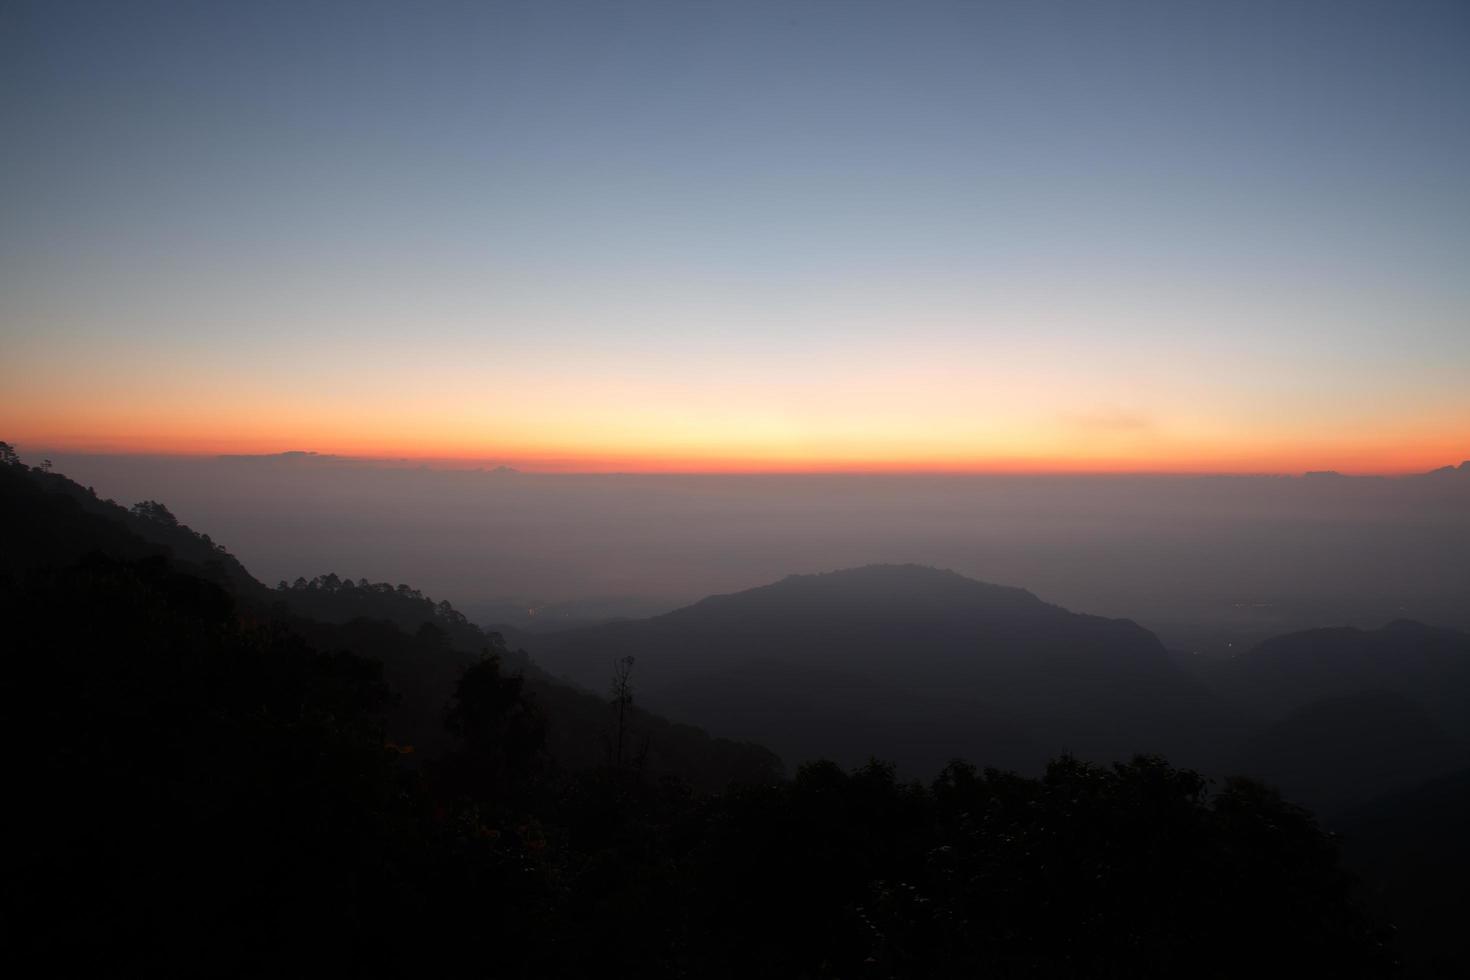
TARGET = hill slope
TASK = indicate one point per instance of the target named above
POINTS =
(1339, 752)
(1412, 849)
(1427, 665)
(48, 522)
(1008, 677)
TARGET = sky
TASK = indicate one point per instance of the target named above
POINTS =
(1170, 236)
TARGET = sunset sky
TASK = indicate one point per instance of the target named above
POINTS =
(723, 236)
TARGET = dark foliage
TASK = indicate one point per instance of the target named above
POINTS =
(424, 646)
(184, 777)
(330, 599)
(47, 520)
(1415, 857)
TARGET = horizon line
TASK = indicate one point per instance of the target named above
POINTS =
(581, 466)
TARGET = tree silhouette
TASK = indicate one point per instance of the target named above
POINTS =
(501, 734)
(152, 510)
(622, 700)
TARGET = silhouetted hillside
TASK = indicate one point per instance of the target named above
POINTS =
(204, 783)
(1426, 665)
(50, 522)
(1414, 853)
(816, 712)
(330, 599)
(1339, 752)
(424, 646)
(1005, 675)
(1349, 715)
(184, 772)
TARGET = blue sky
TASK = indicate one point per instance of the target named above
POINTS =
(1244, 224)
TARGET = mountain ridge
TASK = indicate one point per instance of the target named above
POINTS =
(1033, 670)
(51, 523)
(1427, 664)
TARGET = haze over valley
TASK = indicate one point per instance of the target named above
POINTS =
(1211, 564)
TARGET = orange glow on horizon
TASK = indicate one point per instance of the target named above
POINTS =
(908, 426)
(881, 408)
(1415, 457)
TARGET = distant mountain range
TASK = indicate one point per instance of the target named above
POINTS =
(1338, 753)
(938, 664)
(932, 665)
(1425, 665)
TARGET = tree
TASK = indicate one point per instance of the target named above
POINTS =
(152, 510)
(8, 455)
(502, 735)
(622, 700)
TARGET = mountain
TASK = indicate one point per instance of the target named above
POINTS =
(47, 520)
(1424, 664)
(816, 712)
(1460, 472)
(1339, 752)
(824, 661)
(1413, 853)
(51, 523)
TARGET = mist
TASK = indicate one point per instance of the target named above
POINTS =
(1211, 563)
